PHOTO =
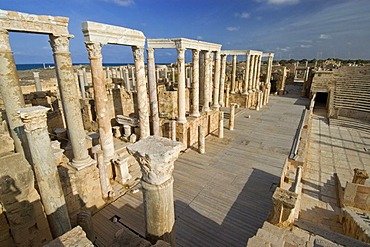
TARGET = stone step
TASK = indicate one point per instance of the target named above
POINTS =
(256, 241)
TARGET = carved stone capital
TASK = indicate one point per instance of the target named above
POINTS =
(180, 54)
(138, 53)
(34, 117)
(59, 43)
(156, 157)
(93, 50)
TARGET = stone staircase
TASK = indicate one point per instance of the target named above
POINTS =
(352, 91)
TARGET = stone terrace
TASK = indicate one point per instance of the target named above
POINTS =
(223, 196)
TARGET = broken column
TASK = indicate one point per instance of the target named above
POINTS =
(156, 157)
(195, 85)
(152, 84)
(221, 125)
(232, 116)
(360, 176)
(222, 79)
(34, 120)
(284, 202)
(181, 85)
(233, 75)
(71, 104)
(201, 140)
(36, 78)
(101, 99)
(82, 83)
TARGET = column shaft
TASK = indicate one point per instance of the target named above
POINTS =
(232, 116)
(82, 83)
(45, 167)
(217, 81)
(181, 85)
(221, 125)
(36, 78)
(152, 83)
(259, 62)
(101, 99)
(142, 92)
(233, 76)
(222, 79)
(195, 84)
(251, 74)
(12, 96)
(246, 78)
(206, 82)
(71, 104)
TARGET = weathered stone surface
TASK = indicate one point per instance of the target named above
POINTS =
(75, 237)
(360, 176)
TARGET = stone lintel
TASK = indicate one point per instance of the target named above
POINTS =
(267, 54)
(241, 52)
(156, 156)
(23, 22)
(108, 34)
(183, 43)
(34, 117)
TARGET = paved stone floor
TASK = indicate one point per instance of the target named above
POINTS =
(222, 197)
(332, 149)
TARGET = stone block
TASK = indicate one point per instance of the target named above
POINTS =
(74, 237)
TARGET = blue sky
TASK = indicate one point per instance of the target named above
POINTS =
(289, 28)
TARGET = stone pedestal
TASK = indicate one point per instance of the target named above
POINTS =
(71, 105)
(284, 202)
(360, 176)
(221, 125)
(156, 157)
(232, 116)
(36, 78)
(121, 170)
(34, 120)
(201, 140)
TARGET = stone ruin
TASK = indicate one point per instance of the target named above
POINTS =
(66, 143)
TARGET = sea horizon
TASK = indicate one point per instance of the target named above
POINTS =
(29, 66)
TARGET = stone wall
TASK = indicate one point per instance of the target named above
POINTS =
(356, 224)
(357, 195)
(21, 211)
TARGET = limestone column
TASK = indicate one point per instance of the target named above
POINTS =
(255, 73)
(142, 92)
(181, 85)
(127, 80)
(233, 76)
(232, 116)
(12, 96)
(195, 85)
(246, 78)
(152, 83)
(206, 89)
(269, 68)
(36, 78)
(217, 81)
(156, 157)
(227, 95)
(259, 62)
(71, 104)
(46, 172)
(85, 76)
(173, 75)
(210, 77)
(101, 100)
(201, 140)
(222, 79)
(173, 130)
(251, 75)
(133, 79)
(82, 83)
(201, 77)
(221, 125)
(165, 73)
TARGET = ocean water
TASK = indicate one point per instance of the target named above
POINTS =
(47, 65)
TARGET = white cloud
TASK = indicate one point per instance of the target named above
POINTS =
(123, 3)
(232, 29)
(279, 2)
(305, 46)
(284, 49)
(324, 36)
(243, 15)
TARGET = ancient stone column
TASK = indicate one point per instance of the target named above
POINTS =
(82, 83)
(181, 85)
(173, 76)
(71, 104)
(12, 96)
(232, 116)
(222, 79)
(201, 77)
(195, 85)
(133, 79)
(227, 95)
(269, 68)
(36, 78)
(201, 140)
(233, 75)
(359, 176)
(255, 73)
(156, 157)
(165, 73)
(221, 125)
(210, 77)
(173, 130)
(126, 78)
(152, 83)
(206, 89)
(217, 80)
(284, 202)
(85, 76)
(251, 74)
(246, 77)
(101, 99)
(259, 62)
(142, 92)
(34, 120)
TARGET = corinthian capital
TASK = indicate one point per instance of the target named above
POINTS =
(138, 53)
(34, 117)
(59, 43)
(93, 50)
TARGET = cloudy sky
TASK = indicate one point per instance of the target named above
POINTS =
(289, 28)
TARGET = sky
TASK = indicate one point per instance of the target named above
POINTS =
(292, 29)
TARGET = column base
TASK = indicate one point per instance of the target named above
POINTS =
(182, 121)
(81, 164)
(216, 106)
(195, 114)
(233, 92)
